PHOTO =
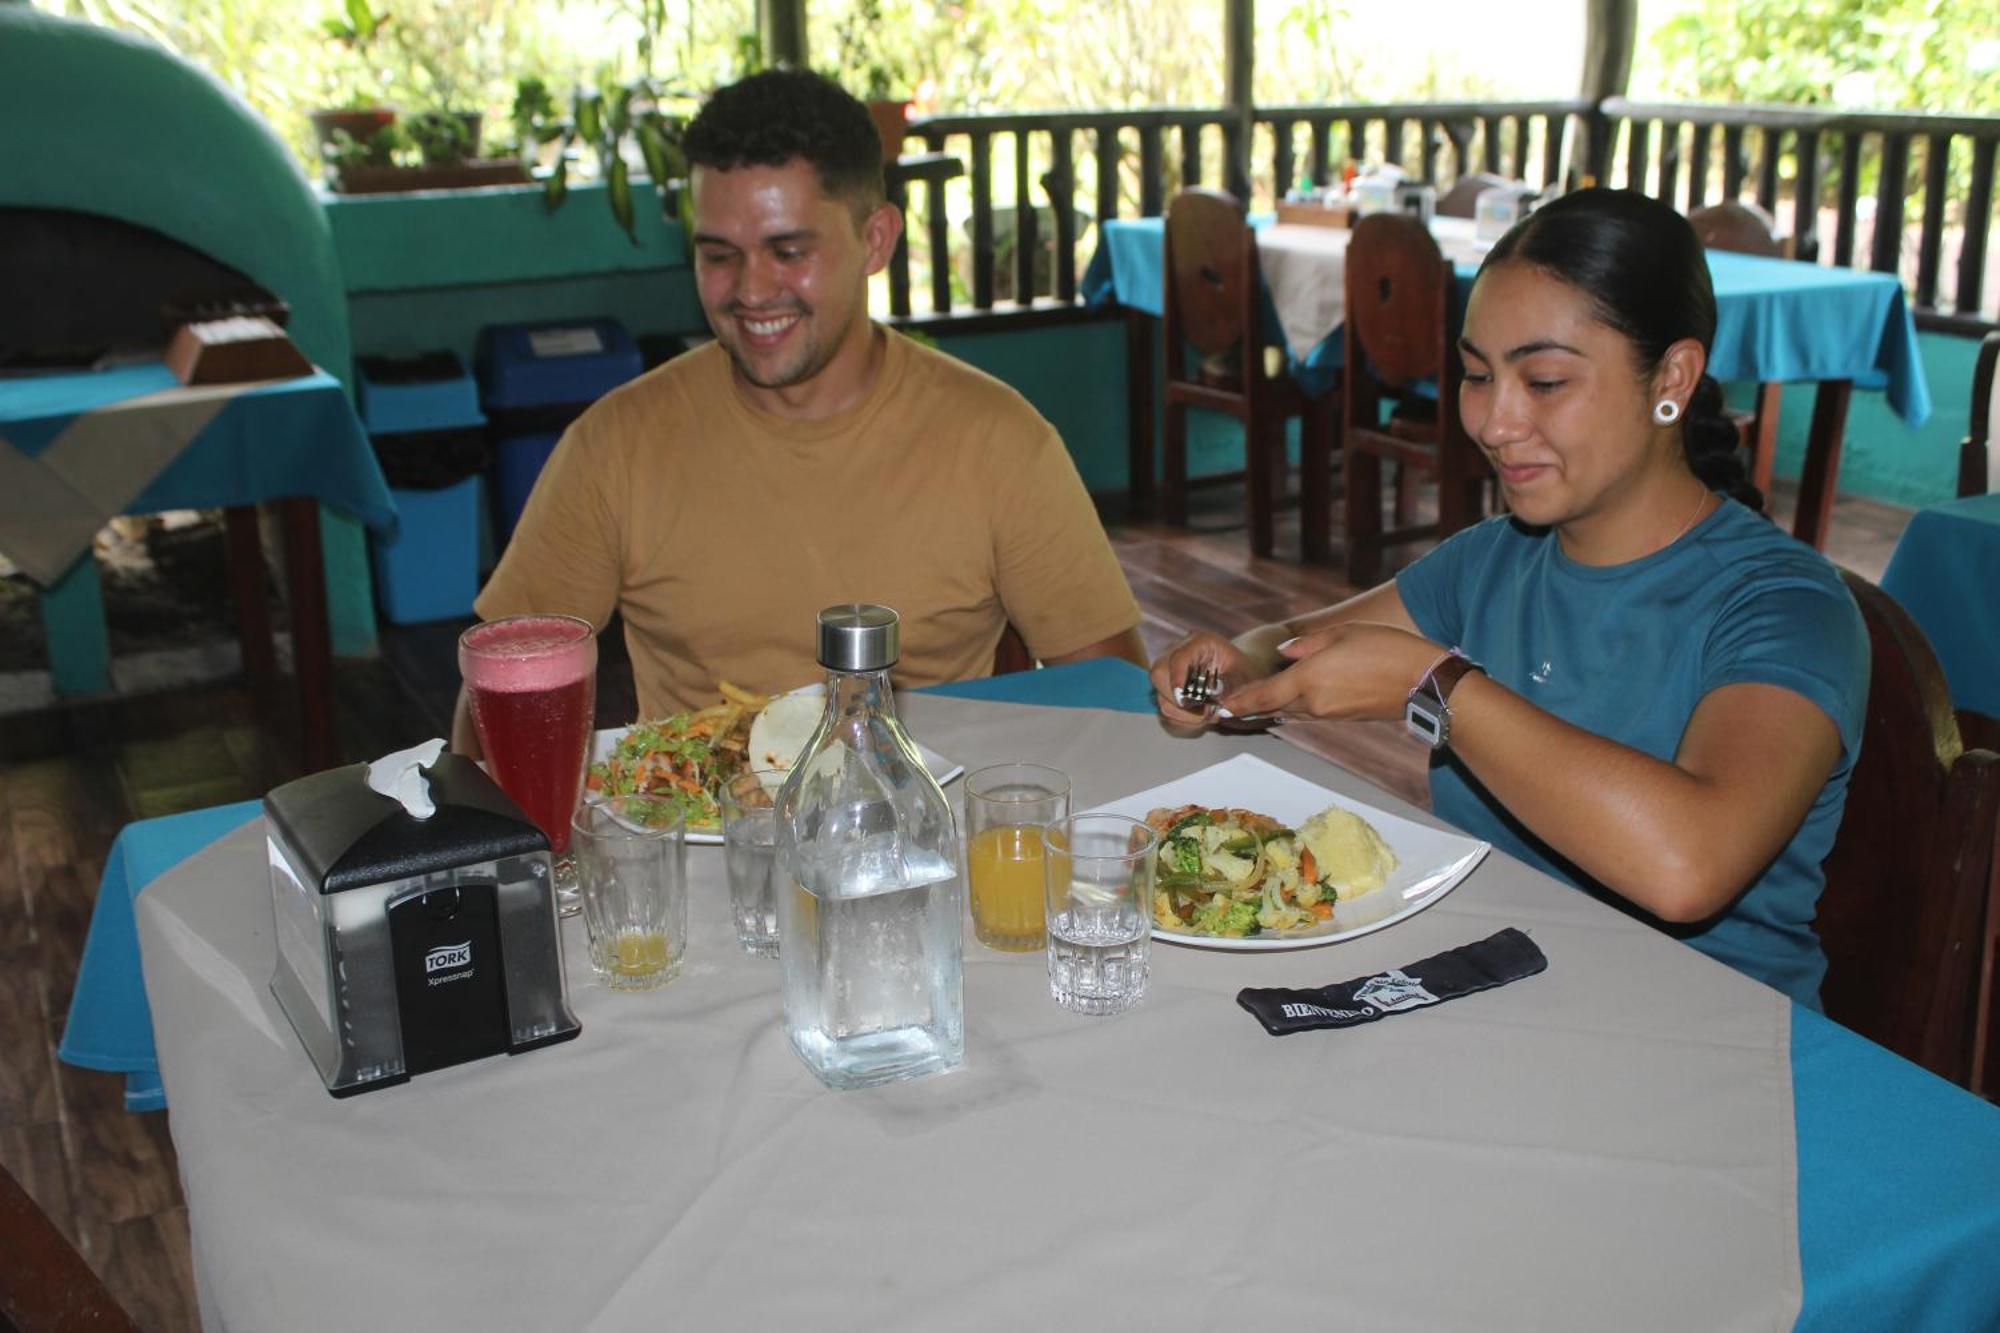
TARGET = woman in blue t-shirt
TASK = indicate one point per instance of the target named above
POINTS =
(1633, 681)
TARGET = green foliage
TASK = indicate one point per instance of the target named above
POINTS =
(869, 55)
(608, 125)
(1867, 54)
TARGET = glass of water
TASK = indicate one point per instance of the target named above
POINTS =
(1098, 872)
(749, 804)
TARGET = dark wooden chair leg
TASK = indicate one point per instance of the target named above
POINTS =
(1364, 517)
(1263, 440)
(1139, 331)
(1317, 428)
(1173, 467)
(312, 649)
(1764, 442)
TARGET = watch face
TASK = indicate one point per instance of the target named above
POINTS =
(1426, 721)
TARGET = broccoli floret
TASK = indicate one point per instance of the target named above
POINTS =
(1224, 917)
(1184, 856)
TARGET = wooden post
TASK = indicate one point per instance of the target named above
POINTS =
(1610, 28)
(782, 24)
(1239, 44)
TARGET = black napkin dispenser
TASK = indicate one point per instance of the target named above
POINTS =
(403, 944)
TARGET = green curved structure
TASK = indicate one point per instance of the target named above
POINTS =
(99, 121)
(104, 122)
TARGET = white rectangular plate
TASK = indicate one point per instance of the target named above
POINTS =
(943, 769)
(1429, 862)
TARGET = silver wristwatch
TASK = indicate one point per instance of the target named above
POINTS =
(1428, 712)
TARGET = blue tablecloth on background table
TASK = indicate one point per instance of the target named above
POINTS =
(1776, 321)
(1898, 1171)
(296, 437)
(1945, 571)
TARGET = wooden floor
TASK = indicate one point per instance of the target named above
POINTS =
(70, 778)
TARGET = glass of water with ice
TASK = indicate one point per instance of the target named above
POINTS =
(1098, 871)
(749, 804)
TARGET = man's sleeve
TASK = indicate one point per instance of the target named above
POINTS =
(564, 556)
(1058, 580)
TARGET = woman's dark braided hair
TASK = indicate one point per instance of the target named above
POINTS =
(1643, 269)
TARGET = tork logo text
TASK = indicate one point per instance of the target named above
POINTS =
(448, 956)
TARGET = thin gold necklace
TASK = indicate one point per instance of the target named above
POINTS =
(1694, 518)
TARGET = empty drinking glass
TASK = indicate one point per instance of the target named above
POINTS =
(632, 863)
(749, 804)
(1099, 875)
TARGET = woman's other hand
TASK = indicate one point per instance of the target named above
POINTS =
(1353, 670)
(1204, 649)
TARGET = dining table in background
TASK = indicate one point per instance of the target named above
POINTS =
(1637, 1137)
(1777, 321)
(1945, 571)
(78, 448)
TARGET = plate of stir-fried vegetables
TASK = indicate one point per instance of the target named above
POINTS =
(684, 759)
(1252, 857)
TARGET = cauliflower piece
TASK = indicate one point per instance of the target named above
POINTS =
(1228, 866)
(1350, 855)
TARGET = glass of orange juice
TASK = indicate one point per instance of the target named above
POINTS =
(1005, 808)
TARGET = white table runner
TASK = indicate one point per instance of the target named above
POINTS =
(1305, 268)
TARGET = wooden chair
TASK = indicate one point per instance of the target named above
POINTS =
(1908, 915)
(1462, 199)
(1214, 302)
(44, 1282)
(1399, 335)
(1978, 464)
(1746, 229)
(1011, 653)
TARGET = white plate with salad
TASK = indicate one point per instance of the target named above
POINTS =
(1256, 859)
(688, 756)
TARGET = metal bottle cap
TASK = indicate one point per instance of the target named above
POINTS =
(856, 636)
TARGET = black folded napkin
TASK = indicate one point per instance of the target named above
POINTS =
(1505, 956)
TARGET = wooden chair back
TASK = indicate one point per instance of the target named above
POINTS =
(1978, 460)
(1399, 289)
(1741, 228)
(1462, 199)
(1906, 915)
(1211, 274)
(44, 1282)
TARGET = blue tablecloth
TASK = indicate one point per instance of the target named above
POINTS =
(1945, 571)
(1899, 1171)
(1776, 321)
(294, 437)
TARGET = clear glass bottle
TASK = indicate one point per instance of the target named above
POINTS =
(868, 923)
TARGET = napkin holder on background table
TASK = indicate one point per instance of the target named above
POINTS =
(237, 350)
(1316, 214)
(407, 944)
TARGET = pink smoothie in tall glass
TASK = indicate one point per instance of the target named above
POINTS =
(532, 681)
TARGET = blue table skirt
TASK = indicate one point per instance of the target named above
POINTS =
(322, 450)
(1899, 1171)
(1945, 571)
(1776, 321)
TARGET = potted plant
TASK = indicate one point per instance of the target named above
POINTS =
(874, 73)
(345, 132)
(614, 123)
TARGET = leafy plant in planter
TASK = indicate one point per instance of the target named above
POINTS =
(612, 121)
(873, 72)
(345, 130)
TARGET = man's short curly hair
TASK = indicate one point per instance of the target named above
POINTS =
(786, 115)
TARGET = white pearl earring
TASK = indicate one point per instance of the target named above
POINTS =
(1666, 411)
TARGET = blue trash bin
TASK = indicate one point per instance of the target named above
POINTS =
(534, 380)
(423, 415)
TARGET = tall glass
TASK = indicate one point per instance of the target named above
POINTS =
(532, 682)
(1005, 808)
(1099, 872)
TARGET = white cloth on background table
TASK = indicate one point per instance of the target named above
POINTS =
(1305, 270)
(1606, 1145)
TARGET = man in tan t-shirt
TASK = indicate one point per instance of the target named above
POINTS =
(808, 457)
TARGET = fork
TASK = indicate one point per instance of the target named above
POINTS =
(1202, 687)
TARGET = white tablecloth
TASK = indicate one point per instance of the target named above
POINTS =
(1605, 1145)
(1305, 268)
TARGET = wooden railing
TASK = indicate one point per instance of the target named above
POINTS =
(1907, 194)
